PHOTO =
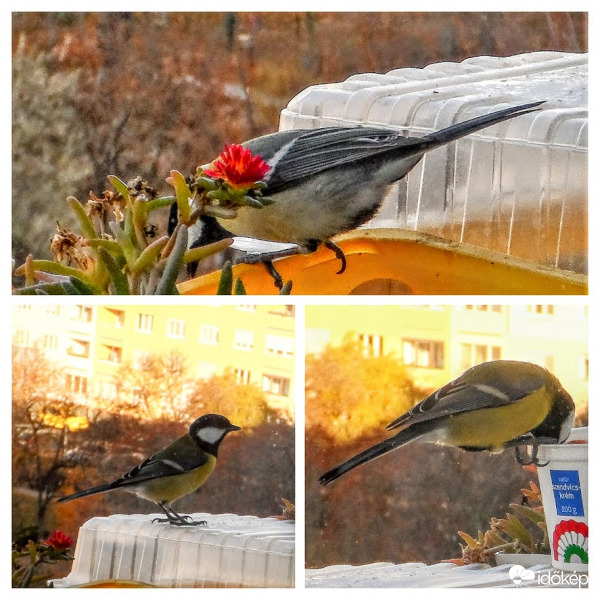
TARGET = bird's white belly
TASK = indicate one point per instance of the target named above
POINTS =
(290, 220)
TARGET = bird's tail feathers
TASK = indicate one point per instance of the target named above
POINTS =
(455, 132)
(400, 439)
(94, 490)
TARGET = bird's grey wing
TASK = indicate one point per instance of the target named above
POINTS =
(460, 396)
(306, 153)
(159, 466)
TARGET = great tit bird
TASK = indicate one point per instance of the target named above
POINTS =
(491, 406)
(174, 471)
(330, 180)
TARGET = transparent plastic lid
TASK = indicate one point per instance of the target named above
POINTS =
(519, 187)
(231, 551)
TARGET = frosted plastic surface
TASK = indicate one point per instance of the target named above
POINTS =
(232, 551)
(419, 575)
(519, 187)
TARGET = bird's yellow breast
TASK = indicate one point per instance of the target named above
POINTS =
(493, 427)
(169, 489)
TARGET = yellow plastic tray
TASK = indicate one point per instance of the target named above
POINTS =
(391, 261)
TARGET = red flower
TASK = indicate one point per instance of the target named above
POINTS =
(59, 540)
(238, 167)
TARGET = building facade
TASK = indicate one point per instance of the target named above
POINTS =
(438, 342)
(92, 342)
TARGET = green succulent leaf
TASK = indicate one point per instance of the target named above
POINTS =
(87, 227)
(117, 277)
(226, 280)
(183, 193)
(239, 289)
(149, 255)
(119, 185)
(167, 284)
(202, 252)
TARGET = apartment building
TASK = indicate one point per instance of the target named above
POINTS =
(438, 342)
(93, 341)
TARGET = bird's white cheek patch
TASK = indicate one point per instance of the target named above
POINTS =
(210, 435)
(565, 430)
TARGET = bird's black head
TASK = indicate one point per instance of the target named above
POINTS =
(208, 431)
(559, 421)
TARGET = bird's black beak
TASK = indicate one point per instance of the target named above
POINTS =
(233, 427)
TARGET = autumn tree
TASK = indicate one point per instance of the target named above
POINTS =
(348, 394)
(155, 386)
(243, 404)
(49, 160)
(41, 435)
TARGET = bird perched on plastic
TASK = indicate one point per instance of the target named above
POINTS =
(492, 406)
(327, 181)
(174, 471)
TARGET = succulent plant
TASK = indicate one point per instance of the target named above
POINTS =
(119, 250)
(511, 534)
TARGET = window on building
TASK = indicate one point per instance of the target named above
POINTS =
(289, 310)
(484, 307)
(475, 354)
(372, 344)
(79, 348)
(176, 328)
(49, 342)
(279, 345)
(144, 323)
(209, 334)
(119, 318)
(243, 339)
(22, 337)
(540, 309)
(247, 307)
(423, 353)
(53, 310)
(77, 384)
(278, 386)
(112, 354)
(83, 313)
(242, 376)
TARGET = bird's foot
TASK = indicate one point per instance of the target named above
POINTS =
(180, 521)
(339, 254)
(277, 279)
(267, 258)
(525, 459)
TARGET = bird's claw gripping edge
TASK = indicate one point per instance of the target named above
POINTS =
(183, 520)
(339, 254)
(174, 518)
(267, 259)
(525, 459)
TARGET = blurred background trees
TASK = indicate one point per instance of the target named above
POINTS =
(142, 93)
(408, 505)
